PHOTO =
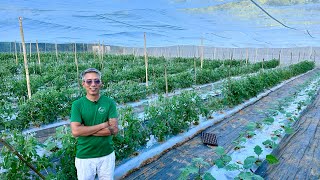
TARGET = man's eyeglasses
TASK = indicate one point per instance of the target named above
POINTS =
(90, 81)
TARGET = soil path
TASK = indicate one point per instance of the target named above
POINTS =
(299, 153)
(168, 165)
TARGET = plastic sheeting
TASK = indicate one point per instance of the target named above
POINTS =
(220, 23)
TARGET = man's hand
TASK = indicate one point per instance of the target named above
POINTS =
(79, 129)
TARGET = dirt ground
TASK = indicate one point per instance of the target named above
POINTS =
(168, 165)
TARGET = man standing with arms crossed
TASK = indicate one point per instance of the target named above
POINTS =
(94, 122)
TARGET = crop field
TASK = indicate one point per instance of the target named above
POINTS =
(159, 109)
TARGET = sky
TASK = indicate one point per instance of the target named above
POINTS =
(219, 23)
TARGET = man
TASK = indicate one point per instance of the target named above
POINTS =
(94, 122)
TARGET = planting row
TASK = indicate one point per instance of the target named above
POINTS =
(163, 118)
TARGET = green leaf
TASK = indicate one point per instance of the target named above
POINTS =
(268, 120)
(219, 150)
(251, 126)
(232, 167)
(272, 159)
(288, 130)
(258, 150)
(219, 163)
(226, 159)
(249, 162)
(208, 176)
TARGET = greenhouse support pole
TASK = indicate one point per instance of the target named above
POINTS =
(15, 51)
(146, 58)
(15, 152)
(25, 58)
(299, 57)
(38, 54)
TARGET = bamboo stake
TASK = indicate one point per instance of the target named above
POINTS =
(102, 54)
(247, 58)
(15, 152)
(30, 50)
(280, 56)
(76, 62)
(56, 46)
(166, 78)
(99, 54)
(146, 59)
(255, 56)
(20, 46)
(195, 70)
(201, 62)
(38, 55)
(15, 51)
(231, 56)
(25, 58)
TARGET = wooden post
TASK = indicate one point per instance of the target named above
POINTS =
(15, 51)
(146, 58)
(195, 70)
(247, 57)
(20, 47)
(102, 54)
(255, 56)
(30, 50)
(231, 56)
(165, 77)
(25, 58)
(280, 56)
(99, 52)
(38, 54)
(201, 62)
(56, 46)
(102, 51)
(77, 66)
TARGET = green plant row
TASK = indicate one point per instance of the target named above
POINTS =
(236, 91)
(164, 118)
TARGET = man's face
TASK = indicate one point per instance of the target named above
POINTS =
(92, 83)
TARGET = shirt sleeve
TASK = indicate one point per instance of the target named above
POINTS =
(113, 110)
(75, 113)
